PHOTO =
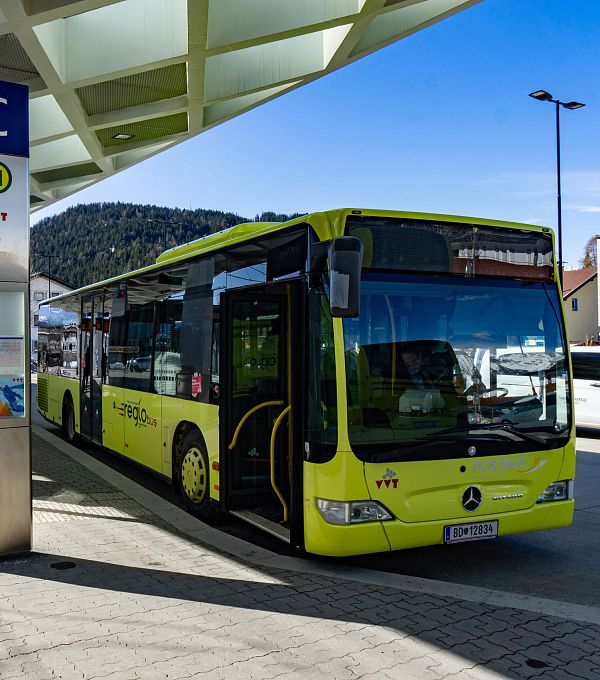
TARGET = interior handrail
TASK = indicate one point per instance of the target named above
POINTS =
(276, 424)
(247, 415)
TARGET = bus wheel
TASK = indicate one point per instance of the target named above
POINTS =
(194, 476)
(68, 420)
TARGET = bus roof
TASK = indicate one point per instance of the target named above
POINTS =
(329, 223)
(222, 237)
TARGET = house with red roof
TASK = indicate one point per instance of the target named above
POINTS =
(580, 296)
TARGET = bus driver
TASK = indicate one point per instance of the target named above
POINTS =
(414, 369)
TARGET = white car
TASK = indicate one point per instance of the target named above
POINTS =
(586, 385)
(139, 364)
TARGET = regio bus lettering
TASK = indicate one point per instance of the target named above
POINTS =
(139, 415)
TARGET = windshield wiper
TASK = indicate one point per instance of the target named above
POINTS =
(483, 427)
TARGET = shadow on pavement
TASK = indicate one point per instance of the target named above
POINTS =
(511, 642)
(519, 564)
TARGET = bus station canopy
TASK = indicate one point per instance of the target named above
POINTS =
(113, 82)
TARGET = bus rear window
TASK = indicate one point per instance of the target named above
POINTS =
(464, 249)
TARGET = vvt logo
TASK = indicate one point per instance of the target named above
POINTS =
(389, 479)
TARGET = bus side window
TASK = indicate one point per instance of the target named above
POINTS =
(196, 335)
(167, 356)
(131, 335)
(140, 327)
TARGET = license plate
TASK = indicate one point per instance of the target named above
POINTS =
(474, 531)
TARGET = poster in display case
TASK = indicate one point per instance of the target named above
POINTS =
(12, 377)
(12, 354)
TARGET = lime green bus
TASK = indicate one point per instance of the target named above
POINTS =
(351, 381)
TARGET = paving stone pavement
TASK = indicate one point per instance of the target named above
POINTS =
(142, 600)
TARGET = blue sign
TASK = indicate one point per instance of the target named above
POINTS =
(14, 119)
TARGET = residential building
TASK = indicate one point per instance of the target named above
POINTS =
(42, 287)
(580, 295)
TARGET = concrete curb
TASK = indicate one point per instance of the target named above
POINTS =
(260, 557)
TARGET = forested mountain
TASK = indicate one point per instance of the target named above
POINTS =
(92, 242)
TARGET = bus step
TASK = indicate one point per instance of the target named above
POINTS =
(263, 523)
(272, 512)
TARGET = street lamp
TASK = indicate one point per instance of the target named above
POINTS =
(165, 224)
(543, 96)
(49, 260)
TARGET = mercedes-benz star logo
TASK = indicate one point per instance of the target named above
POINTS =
(471, 499)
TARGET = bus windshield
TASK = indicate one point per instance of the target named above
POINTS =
(446, 367)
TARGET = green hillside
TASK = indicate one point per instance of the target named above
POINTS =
(99, 240)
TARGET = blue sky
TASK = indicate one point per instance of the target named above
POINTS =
(439, 122)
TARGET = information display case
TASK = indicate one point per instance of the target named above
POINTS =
(15, 407)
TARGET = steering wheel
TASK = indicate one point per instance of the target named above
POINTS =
(499, 392)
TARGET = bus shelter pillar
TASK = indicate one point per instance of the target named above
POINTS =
(15, 377)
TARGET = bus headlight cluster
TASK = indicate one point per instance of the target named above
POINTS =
(557, 491)
(351, 512)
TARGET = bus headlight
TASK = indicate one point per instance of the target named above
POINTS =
(557, 491)
(351, 512)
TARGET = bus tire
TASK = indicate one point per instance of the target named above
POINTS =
(194, 476)
(68, 420)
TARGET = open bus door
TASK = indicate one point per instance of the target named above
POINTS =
(92, 363)
(261, 407)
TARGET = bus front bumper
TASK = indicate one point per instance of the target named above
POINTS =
(540, 517)
(340, 541)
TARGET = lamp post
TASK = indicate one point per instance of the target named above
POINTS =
(165, 224)
(49, 261)
(543, 96)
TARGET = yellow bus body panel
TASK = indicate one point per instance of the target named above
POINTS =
(113, 418)
(342, 478)
(142, 417)
(142, 426)
(420, 491)
(206, 418)
(427, 497)
(139, 425)
(56, 387)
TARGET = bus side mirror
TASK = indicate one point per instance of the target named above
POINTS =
(345, 263)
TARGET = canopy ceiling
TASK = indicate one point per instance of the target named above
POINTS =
(113, 82)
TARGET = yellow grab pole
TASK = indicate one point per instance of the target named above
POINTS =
(280, 417)
(245, 418)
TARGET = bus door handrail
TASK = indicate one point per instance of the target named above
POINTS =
(247, 415)
(276, 424)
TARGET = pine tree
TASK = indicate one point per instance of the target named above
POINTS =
(96, 241)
